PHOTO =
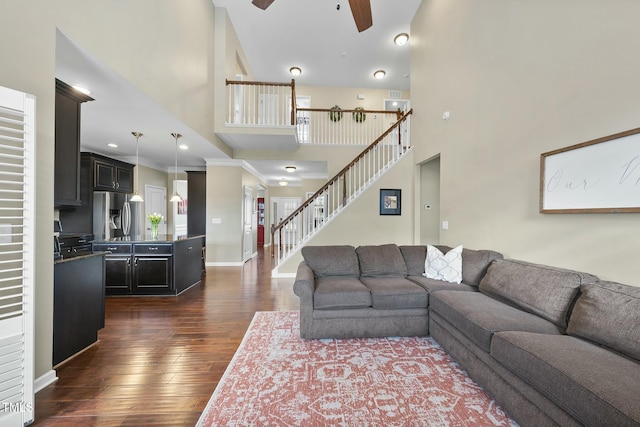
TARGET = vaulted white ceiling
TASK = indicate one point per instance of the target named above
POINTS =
(310, 34)
(324, 41)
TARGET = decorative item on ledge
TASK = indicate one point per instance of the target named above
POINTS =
(359, 116)
(335, 115)
(155, 219)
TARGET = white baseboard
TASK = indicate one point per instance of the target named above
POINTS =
(277, 275)
(44, 380)
(224, 264)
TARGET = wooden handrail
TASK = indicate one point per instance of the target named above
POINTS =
(333, 110)
(275, 228)
(248, 83)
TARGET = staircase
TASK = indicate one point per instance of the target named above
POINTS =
(331, 200)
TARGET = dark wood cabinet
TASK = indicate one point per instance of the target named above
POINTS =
(152, 268)
(118, 261)
(78, 304)
(146, 268)
(111, 175)
(67, 145)
(189, 263)
(118, 274)
(104, 171)
(197, 196)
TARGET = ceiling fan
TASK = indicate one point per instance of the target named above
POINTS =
(360, 9)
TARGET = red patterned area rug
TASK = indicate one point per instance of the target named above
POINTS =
(278, 379)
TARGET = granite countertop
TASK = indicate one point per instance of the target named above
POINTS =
(79, 257)
(147, 238)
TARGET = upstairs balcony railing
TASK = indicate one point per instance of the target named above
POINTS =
(345, 127)
(263, 104)
(288, 236)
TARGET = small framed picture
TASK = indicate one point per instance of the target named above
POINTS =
(390, 202)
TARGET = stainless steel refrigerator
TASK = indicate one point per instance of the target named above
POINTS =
(115, 217)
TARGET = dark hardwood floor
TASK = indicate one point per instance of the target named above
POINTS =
(158, 359)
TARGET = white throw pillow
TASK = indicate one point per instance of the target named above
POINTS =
(446, 267)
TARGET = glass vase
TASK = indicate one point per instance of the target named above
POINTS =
(154, 231)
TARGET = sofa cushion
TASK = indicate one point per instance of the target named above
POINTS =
(432, 285)
(478, 316)
(593, 384)
(441, 266)
(331, 260)
(608, 313)
(546, 291)
(415, 255)
(340, 292)
(475, 263)
(380, 261)
(392, 293)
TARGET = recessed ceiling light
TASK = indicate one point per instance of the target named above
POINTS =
(295, 71)
(379, 74)
(112, 145)
(183, 146)
(401, 39)
(82, 89)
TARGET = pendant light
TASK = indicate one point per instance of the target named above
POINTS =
(136, 197)
(176, 197)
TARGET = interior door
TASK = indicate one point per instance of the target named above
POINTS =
(155, 201)
(247, 227)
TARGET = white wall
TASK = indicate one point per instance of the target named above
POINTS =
(361, 223)
(521, 78)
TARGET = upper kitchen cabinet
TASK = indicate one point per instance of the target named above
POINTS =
(110, 174)
(67, 144)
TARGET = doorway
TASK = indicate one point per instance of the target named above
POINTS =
(281, 208)
(155, 201)
(180, 209)
(430, 202)
(247, 224)
(303, 119)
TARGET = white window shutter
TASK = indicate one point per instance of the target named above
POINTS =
(17, 226)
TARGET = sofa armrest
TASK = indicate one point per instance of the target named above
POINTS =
(304, 285)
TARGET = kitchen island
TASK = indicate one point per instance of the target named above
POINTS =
(143, 265)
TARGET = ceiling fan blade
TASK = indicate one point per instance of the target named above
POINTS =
(262, 4)
(361, 10)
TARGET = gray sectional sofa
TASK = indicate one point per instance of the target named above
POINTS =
(552, 346)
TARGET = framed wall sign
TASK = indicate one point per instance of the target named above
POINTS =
(390, 202)
(600, 176)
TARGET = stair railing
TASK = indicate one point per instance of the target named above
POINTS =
(345, 186)
(261, 103)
